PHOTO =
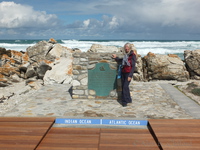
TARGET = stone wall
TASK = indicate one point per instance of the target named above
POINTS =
(81, 64)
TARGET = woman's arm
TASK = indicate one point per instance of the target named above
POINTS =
(114, 56)
(118, 59)
(133, 61)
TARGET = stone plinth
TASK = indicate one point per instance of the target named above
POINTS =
(94, 76)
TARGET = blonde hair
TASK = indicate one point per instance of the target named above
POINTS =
(132, 47)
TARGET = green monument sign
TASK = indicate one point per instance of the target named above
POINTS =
(102, 79)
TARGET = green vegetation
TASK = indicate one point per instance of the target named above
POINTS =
(196, 91)
(192, 85)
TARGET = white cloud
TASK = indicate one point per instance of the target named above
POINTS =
(86, 23)
(170, 12)
(119, 18)
(113, 23)
(163, 12)
(14, 15)
(148, 16)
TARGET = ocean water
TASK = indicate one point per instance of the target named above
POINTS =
(143, 46)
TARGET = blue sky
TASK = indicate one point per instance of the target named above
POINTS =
(100, 19)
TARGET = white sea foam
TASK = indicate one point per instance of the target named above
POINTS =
(143, 47)
(85, 45)
(14, 46)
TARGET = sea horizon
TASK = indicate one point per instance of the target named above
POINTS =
(143, 46)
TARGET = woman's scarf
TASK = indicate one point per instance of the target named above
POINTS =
(125, 60)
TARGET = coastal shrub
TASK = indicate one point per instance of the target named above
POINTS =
(192, 85)
(196, 91)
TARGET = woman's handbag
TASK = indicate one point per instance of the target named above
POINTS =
(119, 72)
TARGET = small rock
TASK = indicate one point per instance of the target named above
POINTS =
(90, 113)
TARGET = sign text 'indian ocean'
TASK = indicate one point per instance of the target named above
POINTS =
(101, 122)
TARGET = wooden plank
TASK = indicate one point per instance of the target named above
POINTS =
(19, 131)
(171, 121)
(179, 143)
(172, 129)
(127, 139)
(70, 139)
(27, 119)
(23, 124)
(177, 134)
(135, 131)
(93, 139)
(17, 147)
(75, 131)
(22, 135)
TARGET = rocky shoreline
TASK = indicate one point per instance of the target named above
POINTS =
(47, 62)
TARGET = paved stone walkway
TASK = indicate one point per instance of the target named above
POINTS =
(150, 100)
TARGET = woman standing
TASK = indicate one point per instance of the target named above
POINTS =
(128, 67)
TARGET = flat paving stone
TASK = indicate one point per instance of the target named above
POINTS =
(150, 100)
(183, 101)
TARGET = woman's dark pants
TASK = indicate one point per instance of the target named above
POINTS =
(126, 98)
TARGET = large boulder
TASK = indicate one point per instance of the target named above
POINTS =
(192, 60)
(12, 58)
(61, 68)
(165, 67)
(42, 69)
(51, 61)
(53, 41)
(13, 95)
(10, 61)
(19, 57)
(97, 48)
(41, 58)
(138, 73)
(30, 72)
(35, 70)
(39, 51)
(59, 51)
(3, 51)
(60, 73)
